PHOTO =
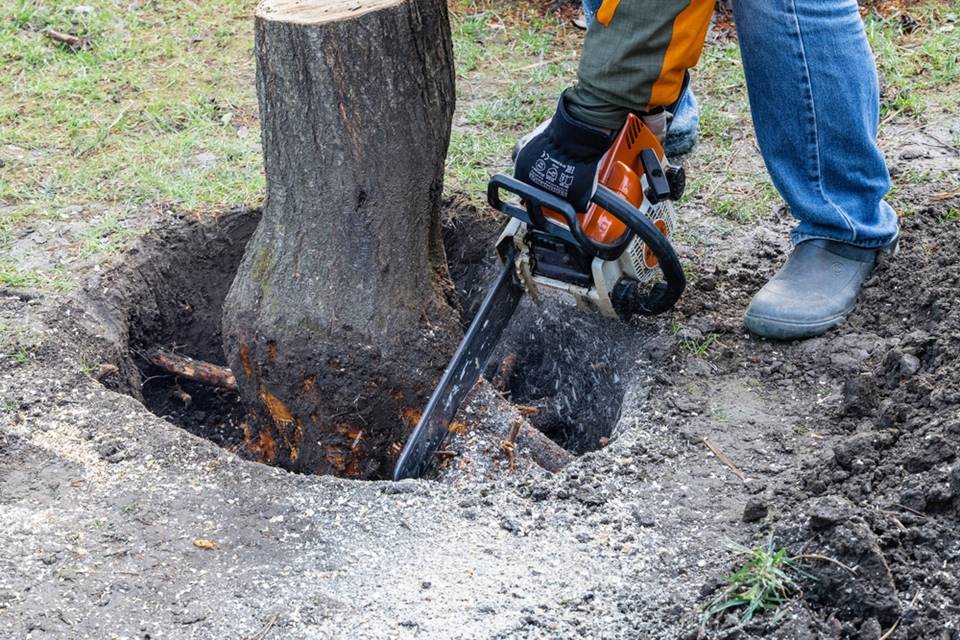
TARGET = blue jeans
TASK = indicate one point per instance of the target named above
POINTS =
(814, 97)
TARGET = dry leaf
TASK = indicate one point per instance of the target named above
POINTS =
(210, 545)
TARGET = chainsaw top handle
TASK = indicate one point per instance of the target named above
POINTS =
(662, 297)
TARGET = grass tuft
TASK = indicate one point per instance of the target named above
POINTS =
(700, 347)
(951, 216)
(765, 582)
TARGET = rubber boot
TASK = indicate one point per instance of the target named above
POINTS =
(813, 292)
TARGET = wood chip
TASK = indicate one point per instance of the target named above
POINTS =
(106, 369)
(209, 545)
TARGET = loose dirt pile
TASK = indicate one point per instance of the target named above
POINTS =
(888, 492)
(882, 496)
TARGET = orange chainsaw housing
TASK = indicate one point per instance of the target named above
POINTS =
(620, 172)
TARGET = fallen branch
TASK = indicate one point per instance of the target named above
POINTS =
(725, 460)
(194, 370)
(72, 41)
(817, 556)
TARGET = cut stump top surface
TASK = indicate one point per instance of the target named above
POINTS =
(318, 11)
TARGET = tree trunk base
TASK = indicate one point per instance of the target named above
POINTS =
(337, 324)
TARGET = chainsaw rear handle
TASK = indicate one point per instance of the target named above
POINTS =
(662, 297)
(535, 200)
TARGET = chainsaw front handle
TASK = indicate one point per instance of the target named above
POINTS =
(662, 297)
(535, 200)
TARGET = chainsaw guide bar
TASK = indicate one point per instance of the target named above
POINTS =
(462, 373)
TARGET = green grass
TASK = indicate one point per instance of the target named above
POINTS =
(105, 237)
(469, 33)
(10, 276)
(21, 357)
(161, 109)
(951, 216)
(472, 159)
(917, 56)
(55, 279)
(730, 183)
(511, 63)
(700, 347)
(124, 120)
(765, 582)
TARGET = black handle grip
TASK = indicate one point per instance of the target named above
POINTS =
(658, 187)
(535, 200)
(662, 297)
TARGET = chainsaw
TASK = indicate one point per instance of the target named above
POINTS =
(605, 259)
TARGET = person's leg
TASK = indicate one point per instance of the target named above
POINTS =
(814, 96)
(682, 132)
(684, 128)
(635, 58)
(590, 8)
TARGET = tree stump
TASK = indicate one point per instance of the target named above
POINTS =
(337, 325)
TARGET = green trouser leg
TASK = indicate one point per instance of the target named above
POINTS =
(635, 58)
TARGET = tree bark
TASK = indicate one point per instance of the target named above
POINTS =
(337, 325)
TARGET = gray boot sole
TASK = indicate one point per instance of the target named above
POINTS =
(779, 330)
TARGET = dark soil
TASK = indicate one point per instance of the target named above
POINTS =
(214, 414)
(883, 498)
(173, 287)
(894, 470)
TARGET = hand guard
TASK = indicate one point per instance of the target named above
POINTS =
(562, 156)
